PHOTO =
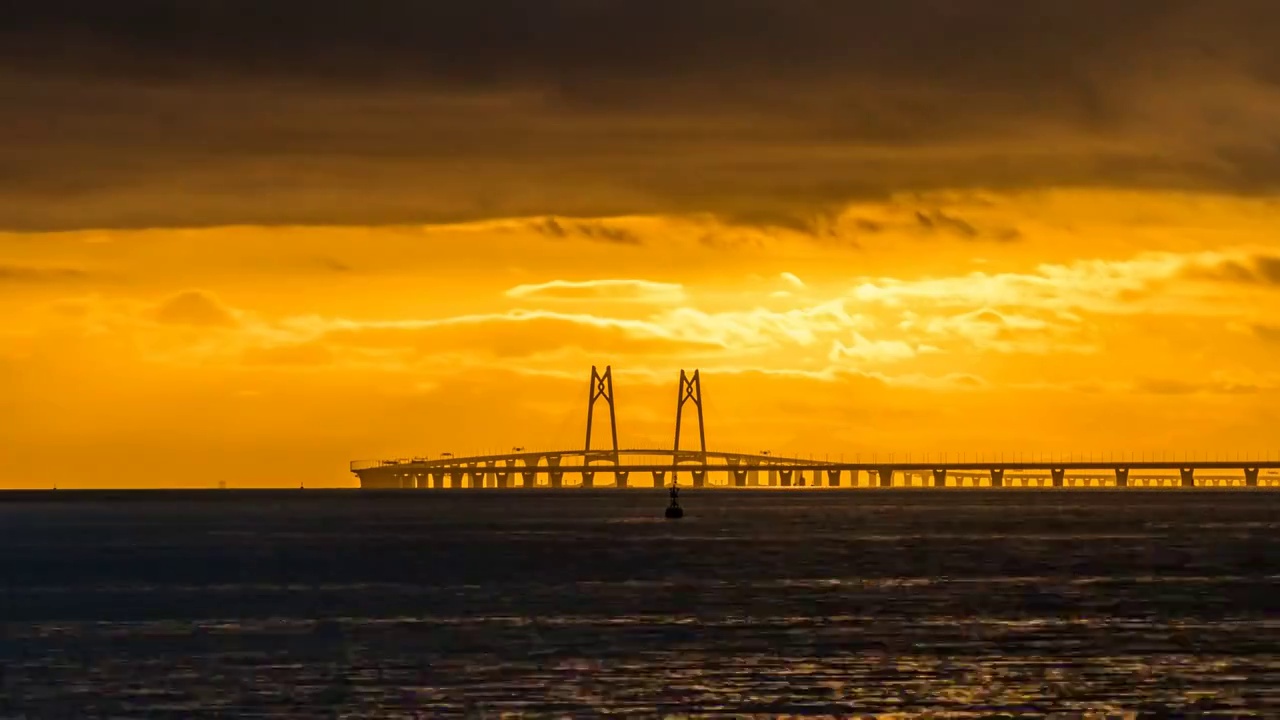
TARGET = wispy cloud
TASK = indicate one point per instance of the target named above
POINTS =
(643, 291)
(595, 230)
(13, 273)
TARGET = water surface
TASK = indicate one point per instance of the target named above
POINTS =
(580, 603)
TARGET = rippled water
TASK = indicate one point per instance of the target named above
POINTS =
(582, 603)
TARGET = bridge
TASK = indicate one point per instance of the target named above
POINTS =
(621, 467)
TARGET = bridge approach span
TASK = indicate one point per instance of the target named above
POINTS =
(747, 471)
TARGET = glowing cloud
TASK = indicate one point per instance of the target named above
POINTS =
(642, 291)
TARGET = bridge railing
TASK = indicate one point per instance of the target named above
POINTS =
(1013, 461)
(371, 464)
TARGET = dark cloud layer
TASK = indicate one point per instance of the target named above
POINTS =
(143, 112)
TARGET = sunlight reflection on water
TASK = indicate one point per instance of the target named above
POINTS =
(474, 606)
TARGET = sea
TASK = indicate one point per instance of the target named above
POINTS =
(587, 603)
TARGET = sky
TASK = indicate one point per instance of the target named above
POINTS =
(249, 242)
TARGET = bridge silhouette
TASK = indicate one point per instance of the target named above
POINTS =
(616, 466)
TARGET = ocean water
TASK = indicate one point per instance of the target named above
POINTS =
(877, 604)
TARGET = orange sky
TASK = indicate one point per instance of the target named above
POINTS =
(260, 356)
(250, 258)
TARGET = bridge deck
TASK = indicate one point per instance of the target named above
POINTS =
(550, 469)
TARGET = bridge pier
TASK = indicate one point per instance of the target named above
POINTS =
(504, 478)
(1188, 477)
(555, 474)
(739, 478)
(1251, 477)
(997, 477)
(455, 479)
(588, 478)
(886, 476)
(785, 477)
(1059, 476)
(620, 479)
(659, 478)
(475, 475)
(1122, 477)
(939, 477)
(699, 478)
(833, 478)
(529, 476)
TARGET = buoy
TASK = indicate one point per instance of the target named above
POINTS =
(674, 511)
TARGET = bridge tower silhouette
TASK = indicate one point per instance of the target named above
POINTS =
(690, 393)
(602, 389)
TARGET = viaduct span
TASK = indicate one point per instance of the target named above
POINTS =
(621, 467)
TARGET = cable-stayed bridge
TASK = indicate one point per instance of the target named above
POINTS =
(654, 467)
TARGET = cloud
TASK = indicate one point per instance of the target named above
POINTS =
(776, 114)
(1182, 387)
(515, 334)
(981, 330)
(926, 322)
(761, 329)
(31, 274)
(590, 230)
(194, 308)
(1008, 332)
(877, 351)
(938, 222)
(1137, 285)
(792, 280)
(1237, 267)
(643, 291)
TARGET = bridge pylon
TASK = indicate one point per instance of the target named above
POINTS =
(601, 389)
(691, 393)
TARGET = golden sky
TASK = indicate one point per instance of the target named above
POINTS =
(923, 229)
